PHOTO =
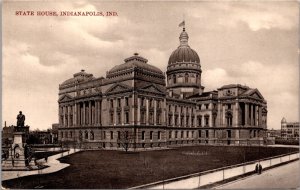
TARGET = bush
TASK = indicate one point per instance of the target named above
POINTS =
(286, 141)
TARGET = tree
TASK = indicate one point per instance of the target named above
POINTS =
(125, 139)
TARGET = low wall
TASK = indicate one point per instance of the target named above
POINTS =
(197, 180)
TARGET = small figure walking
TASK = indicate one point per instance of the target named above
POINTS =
(258, 168)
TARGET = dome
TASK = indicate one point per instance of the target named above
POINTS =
(283, 120)
(78, 77)
(135, 61)
(184, 53)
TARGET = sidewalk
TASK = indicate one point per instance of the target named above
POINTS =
(53, 163)
(283, 177)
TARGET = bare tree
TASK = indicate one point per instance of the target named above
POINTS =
(125, 138)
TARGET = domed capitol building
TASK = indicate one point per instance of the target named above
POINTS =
(137, 104)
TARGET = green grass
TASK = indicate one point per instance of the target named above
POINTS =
(113, 169)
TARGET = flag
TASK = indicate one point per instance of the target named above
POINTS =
(182, 24)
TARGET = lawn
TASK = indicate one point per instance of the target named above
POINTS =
(113, 169)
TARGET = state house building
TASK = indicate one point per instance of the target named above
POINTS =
(155, 110)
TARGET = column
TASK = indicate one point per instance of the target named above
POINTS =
(99, 112)
(219, 116)
(173, 115)
(259, 115)
(256, 116)
(163, 116)
(115, 112)
(246, 113)
(251, 114)
(147, 112)
(74, 114)
(90, 113)
(155, 107)
(64, 117)
(96, 112)
(223, 116)
(236, 113)
(122, 111)
(83, 114)
(139, 112)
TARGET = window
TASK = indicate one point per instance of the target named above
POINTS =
(143, 135)
(176, 120)
(193, 118)
(158, 118)
(176, 133)
(188, 134)
(192, 134)
(170, 134)
(119, 118)
(150, 103)
(71, 134)
(181, 134)
(62, 135)
(174, 79)
(199, 120)
(143, 117)
(111, 135)
(151, 135)
(199, 133)
(186, 78)
(104, 135)
(66, 134)
(169, 108)
(92, 135)
(182, 121)
(175, 108)
(111, 103)
(206, 120)
(126, 101)
(206, 106)
(126, 117)
(86, 135)
(158, 103)
(159, 135)
(142, 101)
(119, 102)
(119, 134)
(187, 120)
(229, 106)
(170, 120)
(80, 135)
(151, 118)
(111, 118)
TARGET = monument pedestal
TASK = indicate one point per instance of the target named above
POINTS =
(16, 159)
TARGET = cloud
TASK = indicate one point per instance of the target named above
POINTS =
(248, 43)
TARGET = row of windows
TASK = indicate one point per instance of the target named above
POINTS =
(186, 78)
(181, 108)
(180, 120)
(143, 118)
(143, 102)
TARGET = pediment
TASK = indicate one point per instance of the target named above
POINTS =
(256, 94)
(117, 88)
(65, 97)
(152, 88)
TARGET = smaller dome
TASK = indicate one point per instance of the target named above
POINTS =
(135, 61)
(283, 120)
(80, 76)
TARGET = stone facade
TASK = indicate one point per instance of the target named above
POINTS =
(289, 130)
(154, 110)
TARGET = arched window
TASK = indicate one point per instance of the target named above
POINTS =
(186, 78)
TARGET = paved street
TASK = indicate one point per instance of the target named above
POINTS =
(286, 176)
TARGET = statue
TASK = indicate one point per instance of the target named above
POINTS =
(20, 119)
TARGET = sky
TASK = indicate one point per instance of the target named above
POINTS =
(253, 43)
